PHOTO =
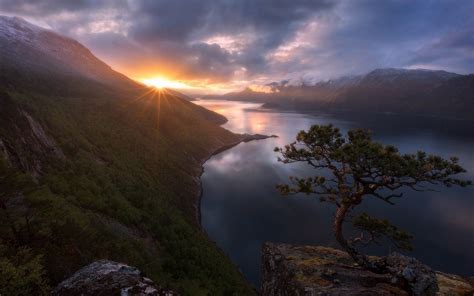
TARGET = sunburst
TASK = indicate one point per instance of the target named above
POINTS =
(161, 82)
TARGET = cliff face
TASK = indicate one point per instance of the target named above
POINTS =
(314, 270)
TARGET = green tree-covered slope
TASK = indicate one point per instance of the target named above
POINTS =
(97, 166)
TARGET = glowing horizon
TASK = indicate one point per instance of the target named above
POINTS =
(212, 47)
(161, 82)
(193, 86)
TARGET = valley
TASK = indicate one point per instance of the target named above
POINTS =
(236, 148)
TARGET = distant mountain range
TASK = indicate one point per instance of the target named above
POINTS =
(94, 165)
(420, 92)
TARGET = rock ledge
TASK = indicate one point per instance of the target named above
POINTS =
(315, 270)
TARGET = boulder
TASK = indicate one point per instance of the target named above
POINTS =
(419, 278)
(107, 278)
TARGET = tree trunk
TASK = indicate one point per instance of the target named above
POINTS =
(359, 258)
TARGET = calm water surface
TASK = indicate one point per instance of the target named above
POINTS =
(241, 208)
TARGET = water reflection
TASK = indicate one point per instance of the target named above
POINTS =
(241, 208)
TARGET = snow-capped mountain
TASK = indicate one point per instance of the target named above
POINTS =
(407, 91)
(26, 48)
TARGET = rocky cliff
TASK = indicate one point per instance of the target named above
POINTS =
(315, 270)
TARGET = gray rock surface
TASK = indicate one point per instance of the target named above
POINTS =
(420, 279)
(314, 270)
(108, 278)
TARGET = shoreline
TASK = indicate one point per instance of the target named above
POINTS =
(244, 138)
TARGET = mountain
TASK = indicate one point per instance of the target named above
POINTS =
(33, 56)
(178, 94)
(96, 166)
(247, 94)
(415, 92)
(404, 91)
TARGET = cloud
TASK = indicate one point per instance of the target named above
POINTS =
(266, 40)
(454, 50)
(359, 36)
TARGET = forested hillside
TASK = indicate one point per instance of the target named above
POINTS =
(94, 165)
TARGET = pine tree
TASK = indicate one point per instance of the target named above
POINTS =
(360, 168)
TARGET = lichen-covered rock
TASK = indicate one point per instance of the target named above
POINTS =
(420, 279)
(314, 270)
(308, 270)
(108, 278)
(450, 284)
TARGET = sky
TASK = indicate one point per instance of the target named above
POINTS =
(216, 46)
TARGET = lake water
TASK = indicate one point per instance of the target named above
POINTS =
(241, 208)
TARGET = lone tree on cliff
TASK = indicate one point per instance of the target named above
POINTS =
(359, 168)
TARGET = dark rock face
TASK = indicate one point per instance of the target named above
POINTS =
(104, 278)
(24, 143)
(419, 278)
(315, 270)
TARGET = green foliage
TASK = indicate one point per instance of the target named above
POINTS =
(379, 228)
(354, 167)
(360, 166)
(125, 192)
(22, 274)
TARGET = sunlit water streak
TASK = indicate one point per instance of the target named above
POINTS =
(241, 208)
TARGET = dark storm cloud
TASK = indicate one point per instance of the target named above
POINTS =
(45, 7)
(359, 36)
(185, 23)
(247, 39)
(167, 19)
(453, 50)
(177, 19)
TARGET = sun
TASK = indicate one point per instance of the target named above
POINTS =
(161, 82)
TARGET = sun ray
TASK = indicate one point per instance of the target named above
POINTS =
(162, 82)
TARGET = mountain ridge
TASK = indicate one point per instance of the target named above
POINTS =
(96, 166)
(390, 90)
(35, 47)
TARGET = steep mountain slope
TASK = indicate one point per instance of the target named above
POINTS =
(418, 92)
(399, 91)
(28, 51)
(178, 94)
(95, 166)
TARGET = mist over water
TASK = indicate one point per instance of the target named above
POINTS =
(241, 208)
